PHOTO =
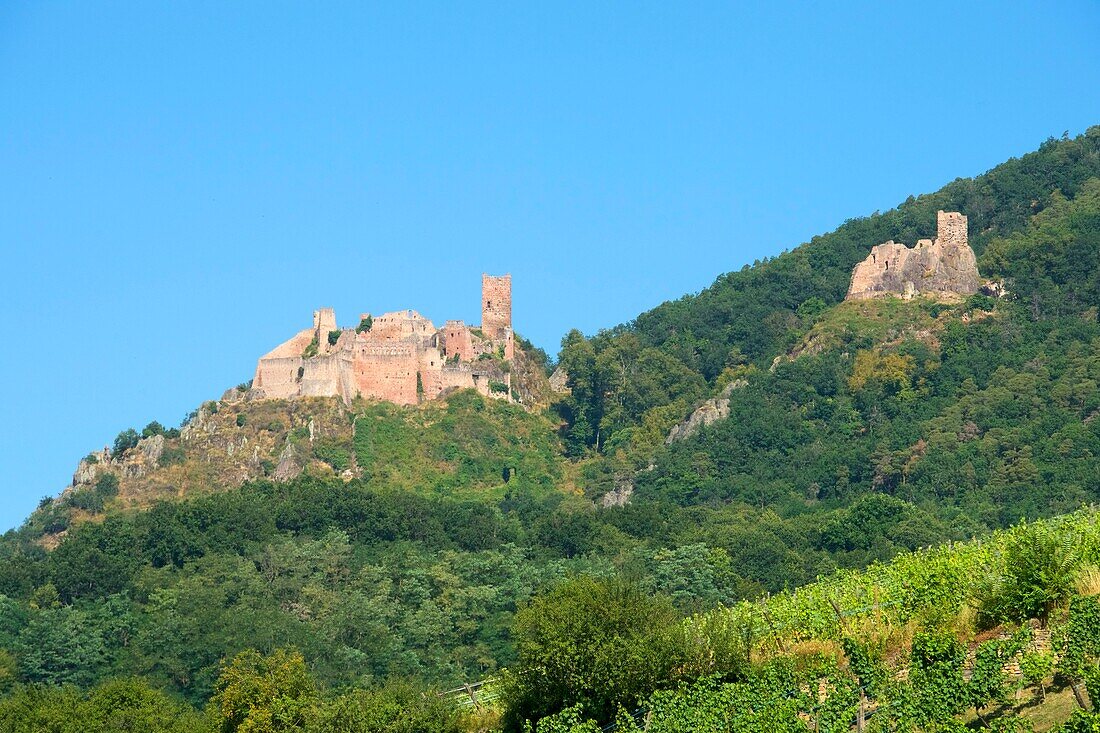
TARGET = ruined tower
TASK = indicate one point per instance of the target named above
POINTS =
(944, 269)
(324, 320)
(950, 228)
(496, 306)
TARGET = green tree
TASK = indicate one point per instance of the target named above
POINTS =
(265, 694)
(126, 440)
(596, 643)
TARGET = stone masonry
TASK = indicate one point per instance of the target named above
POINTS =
(944, 268)
(401, 357)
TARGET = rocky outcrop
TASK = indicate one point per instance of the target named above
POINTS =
(711, 411)
(559, 381)
(944, 268)
(620, 495)
(152, 448)
(288, 467)
(88, 468)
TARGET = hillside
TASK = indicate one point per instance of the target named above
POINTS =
(353, 557)
(460, 445)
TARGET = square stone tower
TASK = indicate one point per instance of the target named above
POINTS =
(496, 306)
(324, 320)
(950, 228)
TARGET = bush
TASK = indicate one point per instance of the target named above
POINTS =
(365, 325)
(107, 485)
(87, 500)
(172, 456)
(332, 454)
(333, 337)
(241, 419)
(498, 387)
(1041, 566)
(311, 350)
(153, 428)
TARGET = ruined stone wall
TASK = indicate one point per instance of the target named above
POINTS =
(458, 341)
(277, 371)
(386, 371)
(455, 376)
(321, 376)
(496, 305)
(945, 269)
(277, 377)
(401, 325)
(432, 362)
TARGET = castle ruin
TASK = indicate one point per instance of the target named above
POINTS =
(944, 268)
(400, 356)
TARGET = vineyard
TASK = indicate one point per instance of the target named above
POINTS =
(941, 639)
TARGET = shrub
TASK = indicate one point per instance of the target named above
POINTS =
(1041, 566)
(172, 456)
(86, 499)
(332, 454)
(153, 428)
(498, 387)
(333, 337)
(107, 485)
(241, 419)
(365, 325)
(311, 350)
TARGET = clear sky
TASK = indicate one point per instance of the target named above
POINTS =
(182, 183)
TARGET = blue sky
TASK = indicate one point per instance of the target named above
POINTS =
(183, 183)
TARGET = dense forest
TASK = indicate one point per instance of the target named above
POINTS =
(474, 545)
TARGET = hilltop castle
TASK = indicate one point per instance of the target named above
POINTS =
(401, 356)
(944, 268)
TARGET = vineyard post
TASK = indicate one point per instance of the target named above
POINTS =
(839, 615)
(775, 631)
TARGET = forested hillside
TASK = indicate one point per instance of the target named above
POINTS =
(375, 555)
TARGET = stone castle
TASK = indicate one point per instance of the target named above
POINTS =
(400, 357)
(944, 268)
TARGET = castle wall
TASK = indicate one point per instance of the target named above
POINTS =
(496, 305)
(321, 376)
(277, 371)
(458, 341)
(402, 325)
(386, 371)
(277, 376)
